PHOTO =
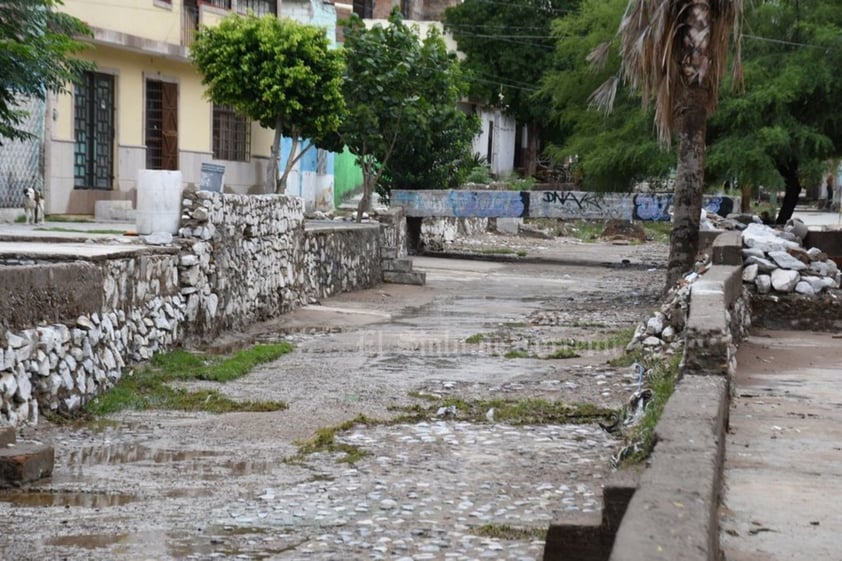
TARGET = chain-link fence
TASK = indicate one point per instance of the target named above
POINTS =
(20, 162)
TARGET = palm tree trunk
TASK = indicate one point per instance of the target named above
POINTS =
(691, 124)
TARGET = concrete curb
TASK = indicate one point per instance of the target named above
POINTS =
(674, 513)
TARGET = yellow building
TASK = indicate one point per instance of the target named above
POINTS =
(143, 107)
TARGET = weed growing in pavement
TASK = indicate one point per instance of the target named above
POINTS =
(513, 412)
(506, 532)
(517, 353)
(149, 387)
(662, 377)
(564, 352)
(475, 338)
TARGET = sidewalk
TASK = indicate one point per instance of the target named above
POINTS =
(783, 458)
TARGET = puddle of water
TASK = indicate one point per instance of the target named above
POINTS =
(65, 499)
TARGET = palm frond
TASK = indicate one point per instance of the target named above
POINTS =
(598, 57)
(604, 96)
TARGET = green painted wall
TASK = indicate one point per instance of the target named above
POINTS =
(347, 175)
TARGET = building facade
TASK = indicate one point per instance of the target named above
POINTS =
(143, 107)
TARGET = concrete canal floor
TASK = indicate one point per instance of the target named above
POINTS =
(172, 485)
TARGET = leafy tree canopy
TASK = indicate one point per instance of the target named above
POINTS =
(780, 132)
(37, 44)
(278, 72)
(613, 150)
(402, 121)
(507, 47)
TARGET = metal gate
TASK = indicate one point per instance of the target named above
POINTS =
(21, 164)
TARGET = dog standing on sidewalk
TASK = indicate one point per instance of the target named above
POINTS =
(33, 205)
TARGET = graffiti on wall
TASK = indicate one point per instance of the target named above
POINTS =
(568, 205)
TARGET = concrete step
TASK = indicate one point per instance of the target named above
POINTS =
(397, 265)
(415, 277)
(24, 463)
(388, 253)
(7, 436)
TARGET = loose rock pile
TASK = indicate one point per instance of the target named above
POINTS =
(776, 261)
(662, 333)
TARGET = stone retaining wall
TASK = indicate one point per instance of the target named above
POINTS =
(238, 259)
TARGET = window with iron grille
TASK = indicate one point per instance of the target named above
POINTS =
(93, 124)
(258, 7)
(231, 135)
(225, 4)
(364, 8)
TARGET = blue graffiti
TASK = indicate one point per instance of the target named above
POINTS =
(485, 204)
(652, 207)
(723, 206)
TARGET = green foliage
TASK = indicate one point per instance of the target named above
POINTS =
(614, 150)
(507, 46)
(149, 387)
(37, 44)
(279, 72)
(787, 122)
(402, 93)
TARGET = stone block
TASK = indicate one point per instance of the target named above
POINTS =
(418, 278)
(398, 265)
(7, 436)
(24, 463)
(727, 249)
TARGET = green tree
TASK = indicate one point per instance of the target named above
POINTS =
(278, 72)
(612, 151)
(401, 93)
(507, 47)
(781, 132)
(675, 52)
(37, 44)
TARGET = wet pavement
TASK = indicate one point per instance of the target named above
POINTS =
(783, 467)
(173, 485)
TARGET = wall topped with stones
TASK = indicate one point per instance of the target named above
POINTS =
(238, 259)
(60, 362)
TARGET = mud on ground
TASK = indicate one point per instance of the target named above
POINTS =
(173, 485)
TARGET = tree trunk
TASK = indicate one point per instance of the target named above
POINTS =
(369, 180)
(291, 159)
(793, 191)
(274, 158)
(691, 123)
(533, 133)
(745, 197)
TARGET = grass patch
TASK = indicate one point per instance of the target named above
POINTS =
(662, 379)
(564, 352)
(521, 253)
(517, 412)
(506, 532)
(325, 441)
(619, 339)
(149, 387)
(583, 230)
(588, 324)
(80, 230)
(513, 412)
(21, 218)
(69, 218)
(475, 338)
(658, 231)
(515, 324)
(517, 353)
(627, 359)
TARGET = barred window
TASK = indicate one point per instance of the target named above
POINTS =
(231, 135)
(364, 8)
(258, 7)
(224, 4)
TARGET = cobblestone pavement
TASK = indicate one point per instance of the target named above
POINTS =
(173, 485)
